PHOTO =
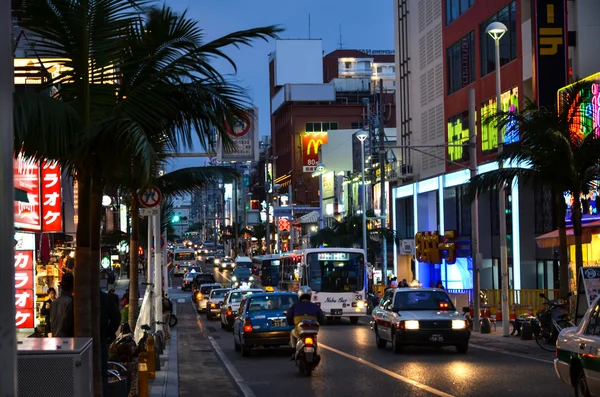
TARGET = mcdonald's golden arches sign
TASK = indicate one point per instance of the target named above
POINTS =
(311, 141)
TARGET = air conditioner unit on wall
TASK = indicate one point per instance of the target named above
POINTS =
(55, 367)
(407, 247)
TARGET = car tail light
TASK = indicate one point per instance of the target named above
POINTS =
(309, 341)
(199, 296)
(177, 266)
(247, 325)
(444, 305)
(213, 306)
(229, 311)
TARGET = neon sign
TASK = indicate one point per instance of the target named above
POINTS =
(509, 102)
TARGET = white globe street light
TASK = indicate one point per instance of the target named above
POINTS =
(362, 136)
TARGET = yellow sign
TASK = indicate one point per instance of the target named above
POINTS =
(432, 248)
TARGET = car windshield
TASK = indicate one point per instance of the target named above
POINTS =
(271, 302)
(218, 293)
(422, 300)
(205, 278)
(207, 289)
(184, 256)
(242, 272)
(238, 295)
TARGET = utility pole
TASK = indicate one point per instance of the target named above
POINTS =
(235, 224)
(8, 347)
(268, 186)
(291, 204)
(475, 254)
(382, 160)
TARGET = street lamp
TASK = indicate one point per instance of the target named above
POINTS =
(320, 170)
(496, 30)
(362, 135)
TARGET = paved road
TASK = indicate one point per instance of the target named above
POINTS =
(352, 365)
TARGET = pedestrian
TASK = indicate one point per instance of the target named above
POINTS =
(167, 310)
(110, 280)
(403, 283)
(110, 320)
(114, 296)
(46, 308)
(62, 323)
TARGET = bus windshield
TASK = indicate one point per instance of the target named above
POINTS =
(335, 271)
(184, 256)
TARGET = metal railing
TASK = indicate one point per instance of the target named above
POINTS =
(521, 298)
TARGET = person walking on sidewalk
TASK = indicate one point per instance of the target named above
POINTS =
(167, 310)
(111, 279)
(110, 320)
(46, 308)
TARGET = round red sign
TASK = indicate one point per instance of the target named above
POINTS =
(241, 127)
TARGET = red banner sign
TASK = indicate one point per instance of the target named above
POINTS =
(27, 178)
(51, 197)
(24, 294)
(311, 141)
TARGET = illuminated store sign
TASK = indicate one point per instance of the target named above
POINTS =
(509, 102)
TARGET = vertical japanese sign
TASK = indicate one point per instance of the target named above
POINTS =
(244, 135)
(27, 178)
(551, 49)
(311, 142)
(51, 197)
(24, 287)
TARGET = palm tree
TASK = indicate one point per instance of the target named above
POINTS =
(348, 233)
(558, 150)
(167, 88)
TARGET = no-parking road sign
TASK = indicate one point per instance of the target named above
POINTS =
(150, 197)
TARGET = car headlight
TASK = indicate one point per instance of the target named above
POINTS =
(459, 324)
(233, 278)
(251, 278)
(222, 264)
(411, 324)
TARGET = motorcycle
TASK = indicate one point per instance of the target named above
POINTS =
(372, 302)
(307, 356)
(550, 321)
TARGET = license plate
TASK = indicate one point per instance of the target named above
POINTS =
(309, 349)
(436, 338)
(336, 312)
(278, 323)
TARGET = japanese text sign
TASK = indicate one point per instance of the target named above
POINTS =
(27, 178)
(24, 294)
(51, 197)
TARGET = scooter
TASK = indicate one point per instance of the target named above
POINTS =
(307, 356)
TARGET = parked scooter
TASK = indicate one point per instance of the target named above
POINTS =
(307, 356)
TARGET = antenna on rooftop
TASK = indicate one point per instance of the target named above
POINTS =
(341, 44)
(309, 26)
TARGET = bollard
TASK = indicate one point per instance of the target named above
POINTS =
(151, 357)
(143, 375)
(526, 330)
(486, 326)
(158, 342)
(513, 312)
(156, 360)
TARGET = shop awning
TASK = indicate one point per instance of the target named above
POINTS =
(551, 239)
(21, 195)
(311, 217)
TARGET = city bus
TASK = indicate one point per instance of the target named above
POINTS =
(266, 268)
(337, 276)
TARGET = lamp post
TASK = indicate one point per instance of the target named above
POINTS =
(496, 30)
(320, 169)
(361, 136)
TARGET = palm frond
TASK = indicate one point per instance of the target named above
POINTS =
(192, 178)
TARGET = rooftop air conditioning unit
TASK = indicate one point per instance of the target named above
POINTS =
(55, 367)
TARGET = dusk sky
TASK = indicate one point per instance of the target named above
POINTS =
(364, 26)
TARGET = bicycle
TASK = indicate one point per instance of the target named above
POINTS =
(549, 322)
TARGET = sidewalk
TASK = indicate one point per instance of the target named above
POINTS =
(166, 383)
(496, 341)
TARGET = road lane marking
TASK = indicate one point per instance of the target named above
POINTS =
(493, 349)
(388, 372)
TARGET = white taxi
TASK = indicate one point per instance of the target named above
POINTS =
(577, 361)
(420, 317)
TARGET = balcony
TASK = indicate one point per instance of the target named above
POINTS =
(352, 85)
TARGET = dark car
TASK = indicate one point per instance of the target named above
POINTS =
(241, 276)
(202, 278)
(262, 321)
(188, 278)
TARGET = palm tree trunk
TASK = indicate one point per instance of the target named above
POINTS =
(83, 262)
(95, 222)
(134, 261)
(561, 208)
(577, 232)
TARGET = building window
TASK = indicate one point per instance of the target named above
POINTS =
(347, 65)
(458, 134)
(508, 42)
(455, 8)
(460, 63)
(321, 126)
(356, 125)
(379, 69)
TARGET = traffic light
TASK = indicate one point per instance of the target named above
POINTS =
(175, 218)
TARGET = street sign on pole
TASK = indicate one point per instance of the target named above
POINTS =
(150, 197)
(149, 211)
